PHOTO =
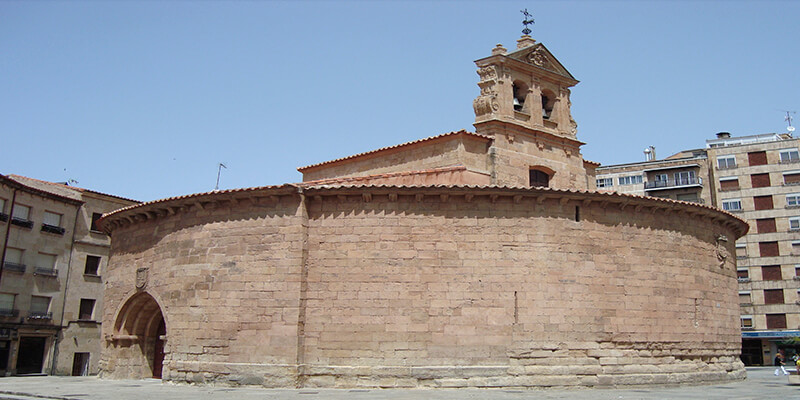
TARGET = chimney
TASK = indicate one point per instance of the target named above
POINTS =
(723, 135)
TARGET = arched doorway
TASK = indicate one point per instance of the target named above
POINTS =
(140, 326)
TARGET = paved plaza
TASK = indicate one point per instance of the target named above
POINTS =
(760, 384)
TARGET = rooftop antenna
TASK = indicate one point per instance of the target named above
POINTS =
(527, 21)
(789, 119)
(220, 166)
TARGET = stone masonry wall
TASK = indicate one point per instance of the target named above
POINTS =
(380, 289)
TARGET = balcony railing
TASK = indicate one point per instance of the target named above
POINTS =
(53, 229)
(11, 266)
(45, 271)
(8, 312)
(40, 315)
(25, 223)
(3, 217)
(673, 183)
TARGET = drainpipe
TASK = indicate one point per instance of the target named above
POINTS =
(8, 230)
(54, 363)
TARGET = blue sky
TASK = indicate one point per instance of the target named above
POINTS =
(143, 99)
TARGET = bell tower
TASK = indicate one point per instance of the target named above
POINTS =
(524, 105)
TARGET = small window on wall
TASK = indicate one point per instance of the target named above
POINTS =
(40, 307)
(741, 251)
(794, 224)
(792, 200)
(52, 223)
(726, 162)
(760, 180)
(729, 183)
(7, 304)
(539, 178)
(796, 247)
(46, 264)
(95, 217)
(768, 249)
(773, 296)
(732, 205)
(766, 225)
(92, 266)
(763, 202)
(743, 273)
(776, 321)
(771, 273)
(630, 180)
(548, 100)
(20, 216)
(747, 321)
(790, 156)
(791, 178)
(605, 182)
(87, 309)
(757, 158)
(3, 215)
(797, 270)
(744, 297)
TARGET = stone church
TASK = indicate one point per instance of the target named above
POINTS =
(466, 259)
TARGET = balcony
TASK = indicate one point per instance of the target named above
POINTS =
(53, 229)
(40, 315)
(673, 184)
(3, 217)
(12, 266)
(45, 271)
(25, 223)
(8, 312)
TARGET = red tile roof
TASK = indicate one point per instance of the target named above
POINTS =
(382, 149)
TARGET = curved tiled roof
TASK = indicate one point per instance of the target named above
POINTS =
(397, 146)
(153, 207)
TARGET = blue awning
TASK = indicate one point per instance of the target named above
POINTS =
(771, 334)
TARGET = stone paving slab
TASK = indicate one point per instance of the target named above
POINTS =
(760, 384)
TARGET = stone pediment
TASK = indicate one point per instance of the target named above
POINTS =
(538, 55)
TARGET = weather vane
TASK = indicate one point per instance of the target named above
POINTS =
(527, 21)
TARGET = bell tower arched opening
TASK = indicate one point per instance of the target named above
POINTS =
(140, 332)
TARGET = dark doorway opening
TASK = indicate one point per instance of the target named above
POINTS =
(751, 352)
(80, 364)
(158, 354)
(5, 345)
(31, 355)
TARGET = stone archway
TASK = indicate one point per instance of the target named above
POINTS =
(139, 336)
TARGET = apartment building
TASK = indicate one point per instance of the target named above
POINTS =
(51, 279)
(758, 178)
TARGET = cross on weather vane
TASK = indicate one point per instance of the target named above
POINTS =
(527, 21)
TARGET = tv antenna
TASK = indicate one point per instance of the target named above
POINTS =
(789, 119)
(220, 166)
(527, 21)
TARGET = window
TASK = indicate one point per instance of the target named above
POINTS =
(548, 101)
(794, 224)
(793, 200)
(744, 297)
(797, 270)
(13, 260)
(732, 205)
(741, 251)
(7, 305)
(771, 273)
(95, 217)
(760, 180)
(661, 178)
(790, 156)
(86, 310)
(762, 202)
(726, 162)
(766, 225)
(791, 178)
(688, 197)
(747, 321)
(757, 158)
(729, 183)
(92, 265)
(743, 273)
(776, 321)
(538, 178)
(685, 178)
(605, 182)
(3, 215)
(40, 307)
(19, 216)
(796, 247)
(768, 249)
(773, 296)
(52, 223)
(520, 94)
(630, 180)
(45, 264)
